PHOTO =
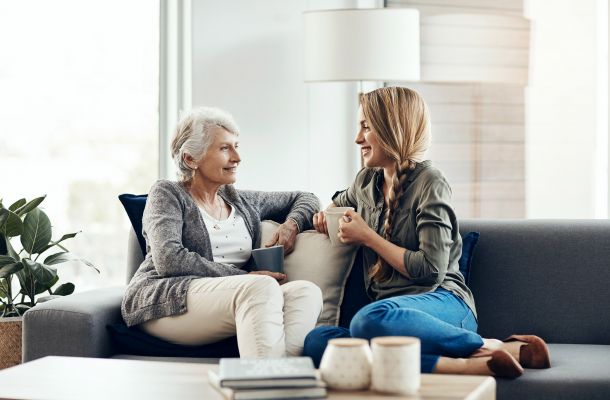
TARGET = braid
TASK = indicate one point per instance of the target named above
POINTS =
(381, 271)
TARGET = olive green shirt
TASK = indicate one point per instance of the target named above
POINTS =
(424, 224)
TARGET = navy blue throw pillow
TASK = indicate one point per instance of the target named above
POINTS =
(134, 206)
(469, 242)
(134, 341)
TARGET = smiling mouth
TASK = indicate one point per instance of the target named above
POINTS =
(365, 150)
(231, 169)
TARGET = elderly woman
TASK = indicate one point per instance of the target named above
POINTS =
(193, 286)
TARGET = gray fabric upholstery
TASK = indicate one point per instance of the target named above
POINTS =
(134, 255)
(545, 277)
(578, 372)
(72, 326)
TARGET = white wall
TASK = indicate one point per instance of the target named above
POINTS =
(561, 114)
(248, 59)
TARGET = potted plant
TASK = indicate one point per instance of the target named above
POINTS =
(27, 276)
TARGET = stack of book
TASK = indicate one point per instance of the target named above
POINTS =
(271, 378)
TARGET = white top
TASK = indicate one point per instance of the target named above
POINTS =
(230, 239)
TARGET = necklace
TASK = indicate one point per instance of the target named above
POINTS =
(220, 204)
(216, 225)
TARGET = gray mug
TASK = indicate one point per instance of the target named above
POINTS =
(269, 259)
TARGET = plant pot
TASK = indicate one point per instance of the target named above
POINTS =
(10, 341)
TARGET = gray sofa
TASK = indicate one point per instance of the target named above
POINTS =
(545, 277)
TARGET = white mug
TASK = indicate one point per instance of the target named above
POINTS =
(346, 364)
(396, 364)
(333, 215)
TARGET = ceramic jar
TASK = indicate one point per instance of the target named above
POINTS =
(346, 364)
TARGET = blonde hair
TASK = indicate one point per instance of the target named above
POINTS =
(193, 136)
(399, 117)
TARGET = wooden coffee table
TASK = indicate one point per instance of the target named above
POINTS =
(99, 378)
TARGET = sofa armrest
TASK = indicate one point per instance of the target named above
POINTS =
(74, 325)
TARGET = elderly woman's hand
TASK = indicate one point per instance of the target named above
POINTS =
(278, 276)
(285, 235)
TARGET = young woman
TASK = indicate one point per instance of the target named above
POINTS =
(411, 245)
(193, 286)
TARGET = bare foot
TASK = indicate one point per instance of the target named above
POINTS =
(489, 346)
(465, 366)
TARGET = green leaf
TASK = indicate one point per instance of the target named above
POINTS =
(3, 288)
(89, 264)
(12, 225)
(3, 249)
(3, 216)
(43, 287)
(8, 248)
(67, 236)
(6, 260)
(10, 269)
(36, 232)
(64, 237)
(65, 289)
(32, 204)
(17, 204)
(22, 308)
(35, 278)
(57, 258)
(44, 275)
(26, 279)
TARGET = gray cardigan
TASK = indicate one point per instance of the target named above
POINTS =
(178, 247)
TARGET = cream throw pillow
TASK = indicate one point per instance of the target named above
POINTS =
(316, 260)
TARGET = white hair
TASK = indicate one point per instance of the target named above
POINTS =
(193, 136)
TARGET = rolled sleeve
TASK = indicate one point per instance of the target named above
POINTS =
(434, 225)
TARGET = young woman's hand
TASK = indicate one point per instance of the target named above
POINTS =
(353, 229)
(319, 222)
(286, 235)
(278, 276)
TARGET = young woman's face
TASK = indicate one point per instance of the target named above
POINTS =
(220, 161)
(372, 152)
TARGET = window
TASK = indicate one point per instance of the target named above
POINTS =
(79, 119)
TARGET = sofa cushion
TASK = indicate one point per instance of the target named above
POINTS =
(469, 242)
(134, 341)
(316, 260)
(134, 206)
(578, 371)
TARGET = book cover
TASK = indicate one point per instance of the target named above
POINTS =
(269, 372)
(316, 392)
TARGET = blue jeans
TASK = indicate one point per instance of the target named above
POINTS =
(441, 320)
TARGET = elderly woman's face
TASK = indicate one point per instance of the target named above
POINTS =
(220, 161)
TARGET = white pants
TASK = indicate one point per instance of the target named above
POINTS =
(270, 320)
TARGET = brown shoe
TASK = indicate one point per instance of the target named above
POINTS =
(504, 365)
(533, 354)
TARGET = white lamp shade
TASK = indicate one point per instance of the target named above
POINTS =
(362, 45)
